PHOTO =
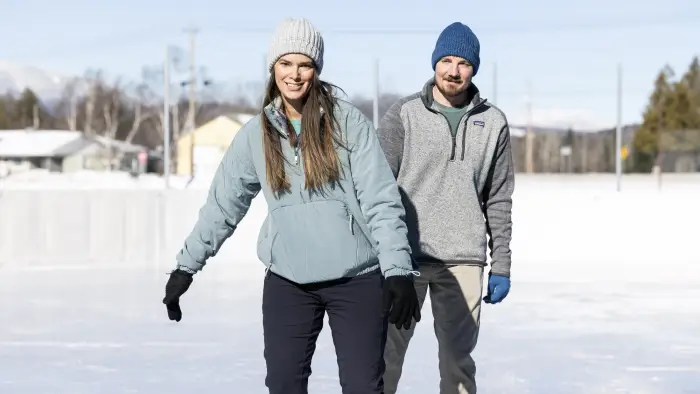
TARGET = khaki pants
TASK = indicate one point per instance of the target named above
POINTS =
(455, 297)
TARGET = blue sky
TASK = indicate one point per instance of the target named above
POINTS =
(567, 53)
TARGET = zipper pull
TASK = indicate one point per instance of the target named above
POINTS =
(296, 157)
(352, 231)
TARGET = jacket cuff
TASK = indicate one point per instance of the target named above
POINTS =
(500, 270)
(186, 269)
(398, 271)
(398, 263)
(187, 264)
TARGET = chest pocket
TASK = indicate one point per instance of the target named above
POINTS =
(474, 137)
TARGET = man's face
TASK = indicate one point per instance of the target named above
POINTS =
(453, 75)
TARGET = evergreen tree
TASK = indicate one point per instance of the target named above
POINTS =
(688, 91)
(671, 121)
(25, 105)
(655, 118)
(690, 84)
(4, 113)
(692, 76)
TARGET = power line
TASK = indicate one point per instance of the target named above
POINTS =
(141, 36)
(533, 27)
(154, 33)
(564, 92)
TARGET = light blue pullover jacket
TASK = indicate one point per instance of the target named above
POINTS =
(354, 228)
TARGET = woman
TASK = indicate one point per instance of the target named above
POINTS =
(334, 240)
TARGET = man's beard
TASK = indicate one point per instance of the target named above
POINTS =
(450, 90)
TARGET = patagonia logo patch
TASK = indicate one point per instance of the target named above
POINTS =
(479, 123)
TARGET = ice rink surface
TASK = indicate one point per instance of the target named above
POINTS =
(605, 299)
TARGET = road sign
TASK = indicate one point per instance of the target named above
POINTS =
(624, 152)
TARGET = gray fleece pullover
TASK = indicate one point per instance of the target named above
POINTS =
(456, 189)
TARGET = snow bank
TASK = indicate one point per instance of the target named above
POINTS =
(577, 227)
(42, 179)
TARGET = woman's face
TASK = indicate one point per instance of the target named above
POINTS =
(293, 76)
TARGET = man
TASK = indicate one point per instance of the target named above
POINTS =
(450, 151)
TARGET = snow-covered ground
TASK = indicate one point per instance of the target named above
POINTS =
(605, 299)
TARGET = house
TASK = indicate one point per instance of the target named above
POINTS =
(64, 151)
(207, 145)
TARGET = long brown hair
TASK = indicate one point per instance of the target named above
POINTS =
(318, 141)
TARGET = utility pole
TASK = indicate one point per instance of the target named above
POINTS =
(375, 101)
(192, 31)
(495, 82)
(529, 136)
(35, 117)
(265, 77)
(618, 131)
(166, 118)
(192, 82)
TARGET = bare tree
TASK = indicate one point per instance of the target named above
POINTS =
(94, 80)
(140, 112)
(68, 104)
(151, 95)
(111, 110)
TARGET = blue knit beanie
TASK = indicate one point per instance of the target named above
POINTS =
(458, 40)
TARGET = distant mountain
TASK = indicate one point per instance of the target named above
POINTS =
(46, 85)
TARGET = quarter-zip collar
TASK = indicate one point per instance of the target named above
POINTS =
(275, 114)
(476, 103)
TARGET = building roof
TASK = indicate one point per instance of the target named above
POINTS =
(35, 143)
(55, 143)
(517, 131)
(119, 145)
(241, 118)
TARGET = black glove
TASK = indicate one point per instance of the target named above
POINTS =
(401, 301)
(177, 285)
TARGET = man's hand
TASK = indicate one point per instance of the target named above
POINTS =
(498, 289)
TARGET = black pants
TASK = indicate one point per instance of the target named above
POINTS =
(293, 318)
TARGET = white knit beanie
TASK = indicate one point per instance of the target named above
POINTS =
(296, 36)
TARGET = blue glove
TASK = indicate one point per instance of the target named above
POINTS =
(498, 289)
